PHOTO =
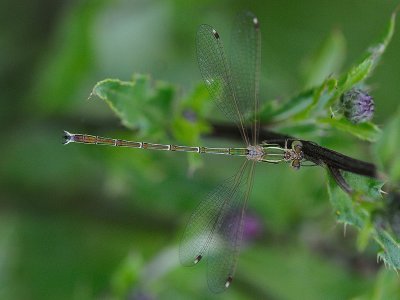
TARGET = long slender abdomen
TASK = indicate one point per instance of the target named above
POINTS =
(98, 140)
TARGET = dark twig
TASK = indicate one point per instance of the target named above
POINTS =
(313, 152)
(340, 180)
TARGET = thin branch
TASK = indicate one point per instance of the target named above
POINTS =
(313, 152)
(340, 180)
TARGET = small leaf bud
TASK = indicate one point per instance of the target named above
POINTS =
(357, 106)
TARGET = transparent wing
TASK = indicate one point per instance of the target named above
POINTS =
(224, 248)
(217, 76)
(204, 222)
(245, 63)
(215, 230)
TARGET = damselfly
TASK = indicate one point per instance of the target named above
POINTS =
(215, 229)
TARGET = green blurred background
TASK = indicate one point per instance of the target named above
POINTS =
(81, 222)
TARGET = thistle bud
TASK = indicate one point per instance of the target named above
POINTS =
(357, 105)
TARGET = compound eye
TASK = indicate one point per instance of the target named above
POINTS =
(296, 164)
(301, 155)
(297, 146)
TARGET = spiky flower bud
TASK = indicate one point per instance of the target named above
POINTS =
(357, 105)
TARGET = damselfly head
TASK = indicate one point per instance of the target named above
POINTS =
(296, 164)
(67, 137)
(294, 155)
(297, 146)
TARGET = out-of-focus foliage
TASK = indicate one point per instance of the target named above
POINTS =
(314, 106)
(83, 222)
(387, 149)
(326, 61)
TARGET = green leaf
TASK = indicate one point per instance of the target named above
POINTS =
(354, 210)
(347, 211)
(140, 104)
(366, 131)
(147, 106)
(391, 249)
(304, 129)
(365, 188)
(274, 112)
(319, 93)
(360, 72)
(326, 61)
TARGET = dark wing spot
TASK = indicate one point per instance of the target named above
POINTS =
(198, 258)
(298, 148)
(256, 24)
(228, 281)
(215, 33)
